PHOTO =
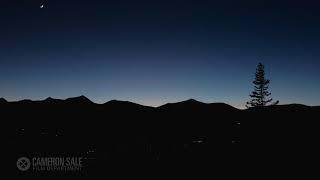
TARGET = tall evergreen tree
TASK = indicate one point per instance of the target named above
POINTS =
(260, 94)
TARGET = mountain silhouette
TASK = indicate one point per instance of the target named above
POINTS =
(122, 136)
(81, 100)
(50, 100)
(283, 108)
(124, 105)
(183, 105)
(191, 103)
(3, 101)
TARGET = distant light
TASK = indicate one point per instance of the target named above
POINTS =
(198, 141)
(41, 6)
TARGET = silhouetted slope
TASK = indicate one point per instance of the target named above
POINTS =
(24, 102)
(282, 108)
(125, 105)
(188, 104)
(50, 100)
(81, 100)
(195, 105)
(122, 135)
(3, 101)
(222, 107)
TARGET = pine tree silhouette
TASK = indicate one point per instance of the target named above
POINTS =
(260, 94)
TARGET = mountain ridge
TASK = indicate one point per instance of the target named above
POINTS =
(3, 100)
(190, 103)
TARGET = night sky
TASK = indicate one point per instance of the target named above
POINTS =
(154, 52)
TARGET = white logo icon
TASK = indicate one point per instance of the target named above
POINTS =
(23, 164)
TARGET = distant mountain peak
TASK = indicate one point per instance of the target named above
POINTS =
(118, 102)
(26, 101)
(2, 100)
(49, 99)
(80, 99)
(188, 103)
(192, 101)
(193, 104)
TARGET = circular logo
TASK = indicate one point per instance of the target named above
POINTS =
(23, 164)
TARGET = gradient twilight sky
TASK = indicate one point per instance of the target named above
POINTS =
(154, 52)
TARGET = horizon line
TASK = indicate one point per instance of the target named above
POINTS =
(63, 99)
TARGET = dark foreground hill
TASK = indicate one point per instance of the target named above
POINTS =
(119, 138)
